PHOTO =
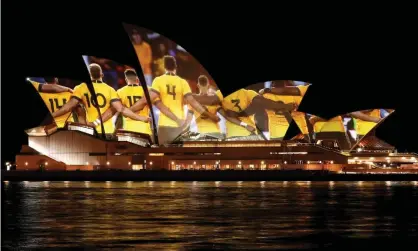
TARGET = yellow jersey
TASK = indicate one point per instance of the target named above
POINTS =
(299, 117)
(172, 90)
(144, 53)
(206, 125)
(218, 93)
(129, 95)
(335, 124)
(105, 96)
(54, 101)
(277, 122)
(238, 102)
(364, 127)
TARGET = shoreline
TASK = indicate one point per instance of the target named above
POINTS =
(230, 175)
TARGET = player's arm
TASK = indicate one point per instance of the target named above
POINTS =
(207, 99)
(140, 104)
(189, 118)
(54, 88)
(81, 114)
(105, 116)
(118, 106)
(288, 90)
(49, 88)
(260, 101)
(167, 112)
(314, 119)
(364, 117)
(235, 121)
(200, 109)
(68, 107)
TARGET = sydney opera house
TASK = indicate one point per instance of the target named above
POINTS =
(192, 125)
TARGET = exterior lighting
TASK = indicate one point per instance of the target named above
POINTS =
(332, 162)
(26, 163)
(308, 162)
(129, 163)
(108, 163)
(355, 157)
(150, 162)
(87, 163)
(285, 162)
(371, 158)
(172, 162)
(239, 162)
(387, 158)
(262, 162)
(46, 163)
(194, 163)
(403, 158)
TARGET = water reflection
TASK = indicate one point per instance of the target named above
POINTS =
(204, 215)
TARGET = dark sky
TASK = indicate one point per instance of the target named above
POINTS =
(352, 63)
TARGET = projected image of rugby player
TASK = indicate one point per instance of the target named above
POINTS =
(205, 125)
(332, 129)
(366, 120)
(106, 97)
(129, 95)
(173, 92)
(54, 97)
(242, 105)
(285, 91)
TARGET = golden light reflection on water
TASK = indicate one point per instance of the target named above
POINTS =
(233, 215)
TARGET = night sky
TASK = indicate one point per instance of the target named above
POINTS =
(352, 64)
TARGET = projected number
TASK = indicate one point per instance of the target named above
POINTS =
(100, 99)
(171, 90)
(236, 104)
(133, 100)
(54, 104)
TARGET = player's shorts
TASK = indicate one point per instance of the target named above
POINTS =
(166, 134)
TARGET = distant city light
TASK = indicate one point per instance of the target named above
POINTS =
(262, 162)
(308, 162)
(285, 162)
(26, 163)
(150, 162)
(194, 163)
(332, 162)
(108, 163)
(172, 162)
(239, 162)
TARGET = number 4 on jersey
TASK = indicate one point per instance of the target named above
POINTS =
(171, 90)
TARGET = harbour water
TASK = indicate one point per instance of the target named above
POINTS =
(209, 215)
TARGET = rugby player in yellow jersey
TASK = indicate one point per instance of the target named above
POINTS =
(330, 130)
(174, 92)
(55, 97)
(106, 97)
(285, 91)
(204, 124)
(242, 105)
(129, 95)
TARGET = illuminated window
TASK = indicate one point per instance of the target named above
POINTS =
(137, 167)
